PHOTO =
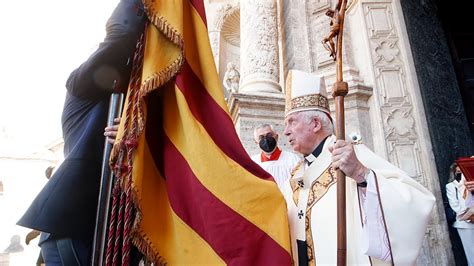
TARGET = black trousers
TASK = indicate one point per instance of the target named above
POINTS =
(65, 251)
(74, 252)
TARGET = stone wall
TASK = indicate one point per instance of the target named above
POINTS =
(442, 102)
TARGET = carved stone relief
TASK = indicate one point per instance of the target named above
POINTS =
(219, 17)
(379, 20)
(318, 29)
(214, 37)
(259, 40)
(230, 30)
(318, 6)
(387, 51)
(215, 24)
(296, 35)
(394, 100)
(391, 79)
(406, 154)
(392, 95)
(260, 37)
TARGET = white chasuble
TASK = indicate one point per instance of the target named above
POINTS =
(404, 208)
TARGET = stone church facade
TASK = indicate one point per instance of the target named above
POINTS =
(256, 42)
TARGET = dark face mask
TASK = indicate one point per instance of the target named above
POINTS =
(457, 177)
(267, 143)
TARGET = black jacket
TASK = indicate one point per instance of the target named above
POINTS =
(66, 207)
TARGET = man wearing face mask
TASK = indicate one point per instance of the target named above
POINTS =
(460, 197)
(272, 159)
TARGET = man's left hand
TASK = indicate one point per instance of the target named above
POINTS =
(31, 235)
(344, 158)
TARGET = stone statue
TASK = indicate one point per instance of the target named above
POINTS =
(15, 245)
(231, 78)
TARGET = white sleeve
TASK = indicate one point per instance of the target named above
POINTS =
(374, 237)
(469, 200)
(453, 198)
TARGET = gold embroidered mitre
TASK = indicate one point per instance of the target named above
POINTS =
(305, 92)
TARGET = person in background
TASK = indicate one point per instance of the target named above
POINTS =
(460, 198)
(272, 158)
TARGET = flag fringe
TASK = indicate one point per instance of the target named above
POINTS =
(144, 245)
(160, 78)
(156, 80)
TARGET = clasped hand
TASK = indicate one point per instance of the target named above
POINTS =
(345, 159)
(111, 132)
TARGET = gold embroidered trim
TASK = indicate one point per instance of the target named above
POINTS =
(318, 189)
(320, 186)
(313, 100)
(295, 187)
(309, 239)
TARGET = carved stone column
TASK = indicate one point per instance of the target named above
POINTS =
(259, 62)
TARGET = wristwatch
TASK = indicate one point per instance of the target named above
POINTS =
(362, 184)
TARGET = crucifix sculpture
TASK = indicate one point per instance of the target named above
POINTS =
(333, 43)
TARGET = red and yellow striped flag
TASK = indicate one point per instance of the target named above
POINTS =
(197, 196)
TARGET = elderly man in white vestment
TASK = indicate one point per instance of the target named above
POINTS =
(387, 211)
(277, 162)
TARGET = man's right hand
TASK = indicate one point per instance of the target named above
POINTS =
(111, 132)
(344, 157)
(469, 185)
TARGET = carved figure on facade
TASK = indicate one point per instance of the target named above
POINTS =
(231, 78)
(221, 15)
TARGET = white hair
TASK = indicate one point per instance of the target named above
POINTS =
(326, 123)
(261, 126)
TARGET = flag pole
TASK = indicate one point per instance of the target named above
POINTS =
(339, 91)
(105, 190)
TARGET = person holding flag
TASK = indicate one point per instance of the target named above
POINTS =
(65, 209)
